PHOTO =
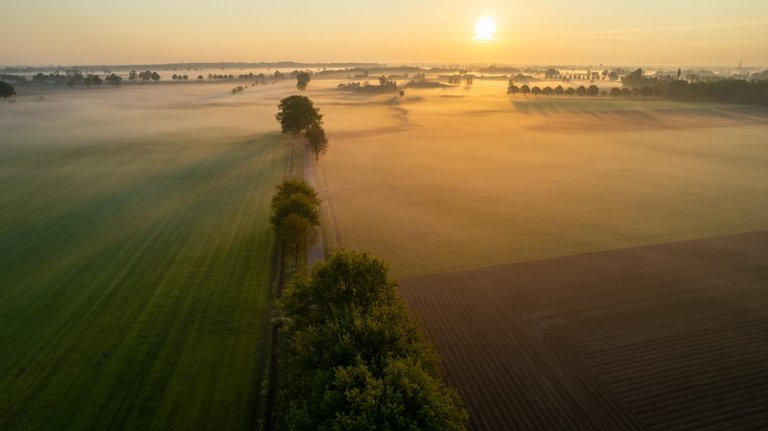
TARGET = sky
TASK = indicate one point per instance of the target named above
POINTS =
(557, 32)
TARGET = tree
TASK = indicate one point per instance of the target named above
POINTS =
(559, 90)
(6, 90)
(302, 80)
(525, 89)
(593, 90)
(551, 73)
(570, 91)
(615, 91)
(513, 89)
(581, 90)
(114, 80)
(354, 358)
(296, 114)
(536, 91)
(315, 140)
(547, 91)
(295, 214)
(133, 76)
(155, 76)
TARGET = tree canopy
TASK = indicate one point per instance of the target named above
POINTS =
(315, 140)
(6, 90)
(302, 80)
(295, 215)
(296, 114)
(355, 359)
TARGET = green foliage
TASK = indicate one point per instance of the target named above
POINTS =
(296, 114)
(295, 214)
(315, 140)
(355, 359)
(293, 186)
(6, 90)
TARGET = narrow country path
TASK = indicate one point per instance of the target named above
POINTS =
(316, 251)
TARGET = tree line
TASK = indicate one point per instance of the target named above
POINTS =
(696, 89)
(720, 91)
(346, 354)
(592, 90)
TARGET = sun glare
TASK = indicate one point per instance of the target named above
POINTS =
(485, 28)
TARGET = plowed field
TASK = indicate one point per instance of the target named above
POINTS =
(671, 336)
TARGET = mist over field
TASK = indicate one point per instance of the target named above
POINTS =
(579, 261)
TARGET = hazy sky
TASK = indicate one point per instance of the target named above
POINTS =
(642, 32)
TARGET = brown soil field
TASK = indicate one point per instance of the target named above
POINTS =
(668, 336)
(443, 180)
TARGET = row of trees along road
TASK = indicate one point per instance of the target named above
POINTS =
(592, 90)
(347, 354)
(298, 114)
(352, 358)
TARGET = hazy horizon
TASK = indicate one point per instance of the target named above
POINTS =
(685, 33)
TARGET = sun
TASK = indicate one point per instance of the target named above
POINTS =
(484, 29)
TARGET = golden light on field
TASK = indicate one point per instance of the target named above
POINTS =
(485, 29)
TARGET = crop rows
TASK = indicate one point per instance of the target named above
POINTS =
(135, 283)
(672, 336)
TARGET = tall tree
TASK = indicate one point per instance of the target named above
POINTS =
(315, 140)
(295, 215)
(302, 80)
(296, 114)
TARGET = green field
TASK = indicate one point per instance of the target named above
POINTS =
(135, 275)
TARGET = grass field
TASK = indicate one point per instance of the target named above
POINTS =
(136, 256)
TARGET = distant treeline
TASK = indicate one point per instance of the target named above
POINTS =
(192, 66)
(697, 89)
(635, 84)
(727, 91)
(76, 77)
